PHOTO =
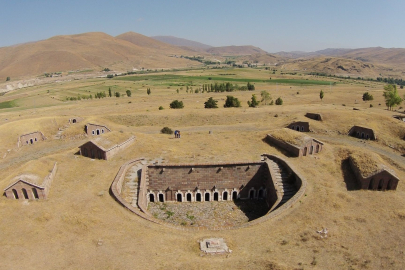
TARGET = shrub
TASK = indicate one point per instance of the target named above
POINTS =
(128, 93)
(371, 106)
(176, 104)
(367, 96)
(161, 108)
(254, 102)
(148, 91)
(231, 102)
(279, 101)
(109, 76)
(117, 94)
(166, 130)
(7, 79)
(210, 103)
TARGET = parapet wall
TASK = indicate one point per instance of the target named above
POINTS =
(49, 179)
(293, 150)
(115, 149)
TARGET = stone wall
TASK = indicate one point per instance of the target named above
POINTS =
(299, 126)
(115, 149)
(314, 116)
(93, 129)
(49, 179)
(381, 180)
(291, 149)
(91, 150)
(30, 138)
(309, 148)
(208, 178)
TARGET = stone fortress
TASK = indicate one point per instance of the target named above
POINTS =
(271, 180)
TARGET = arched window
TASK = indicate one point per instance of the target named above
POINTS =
(207, 197)
(151, 197)
(362, 135)
(317, 148)
(298, 128)
(198, 197)
(381, 184)
(31, 141)
(225, 196)
(179, 197)
(102, 131)
(293, 127)
(302, 128)
(305, 151)
(188, 197)
(161, 197)
(216, 196)
(24, 191)
(92, 132)
(35, 193)
(15, 193)
(36, 139)
(311, 150)
(74, 121)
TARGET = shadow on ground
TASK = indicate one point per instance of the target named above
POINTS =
(348, 175)
(253, 209)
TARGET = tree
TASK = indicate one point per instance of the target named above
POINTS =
(321, 94)
(391, 96)
(176, 104)
(210, 103)
(266, 97)
(148, 91)
(109, 92)
(7, 79)
(367, 96)
(250, 86)
(231, 102)
(117, 94)
(254, 102)
(279, 101)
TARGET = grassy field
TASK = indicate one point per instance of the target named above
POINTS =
(80, 226)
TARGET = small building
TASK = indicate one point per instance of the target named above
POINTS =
(314, 116)
(400, 117)
(75, 120)
(27, 186)
(94, 129)
(295, 143)
(106, 146)
(371, 172)
(31, 138)
(362, 133)
(299, 126)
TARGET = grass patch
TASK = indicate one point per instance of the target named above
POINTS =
(8, 104)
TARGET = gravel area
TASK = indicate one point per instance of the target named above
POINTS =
(209, 214)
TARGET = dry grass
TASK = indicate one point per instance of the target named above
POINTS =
(368, 163)
(81, 227)
(111, 139)
(290, 136)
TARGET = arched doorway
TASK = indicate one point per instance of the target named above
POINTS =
(362, 135)
(225, 196)
(74, 121)
(260, 195)
(305, 151)
(370, 186)
(198, 197)
(179, 198)
(311, 150)
(216, 196)
(234, 195)
(317, 148)
(98, 132)
(15, 194)
(151, 197)
(188, 197)
(161, 197)
(251, 194)
(31, 141)
(207, 197)
(298, 128)
(35, 193)
(24, 191)
(380, 184)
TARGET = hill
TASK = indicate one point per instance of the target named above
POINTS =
(236, 50)
(182, 42)
(88, 51)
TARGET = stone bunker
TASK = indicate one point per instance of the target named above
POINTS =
(30, 138)
(95, 129)
(362, 133)
(314, 116)
(271, 181)
(295, 143)
(299, 126)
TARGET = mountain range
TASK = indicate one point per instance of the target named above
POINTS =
(128, 51)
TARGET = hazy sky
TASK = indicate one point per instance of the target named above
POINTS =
(282, 25)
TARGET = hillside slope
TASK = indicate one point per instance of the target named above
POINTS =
(87, 51)
(182, 42)
(236, 50)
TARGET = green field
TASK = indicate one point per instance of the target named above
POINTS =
(208, 79)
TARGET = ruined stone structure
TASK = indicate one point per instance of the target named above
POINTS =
(24, 189)
(297, 145)
(380, 178)
(94, 129)
(105, 147)
(30, 138)
(362, 133)
(271, 179)
(314, 116)
(299, 126)
(75, 120)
